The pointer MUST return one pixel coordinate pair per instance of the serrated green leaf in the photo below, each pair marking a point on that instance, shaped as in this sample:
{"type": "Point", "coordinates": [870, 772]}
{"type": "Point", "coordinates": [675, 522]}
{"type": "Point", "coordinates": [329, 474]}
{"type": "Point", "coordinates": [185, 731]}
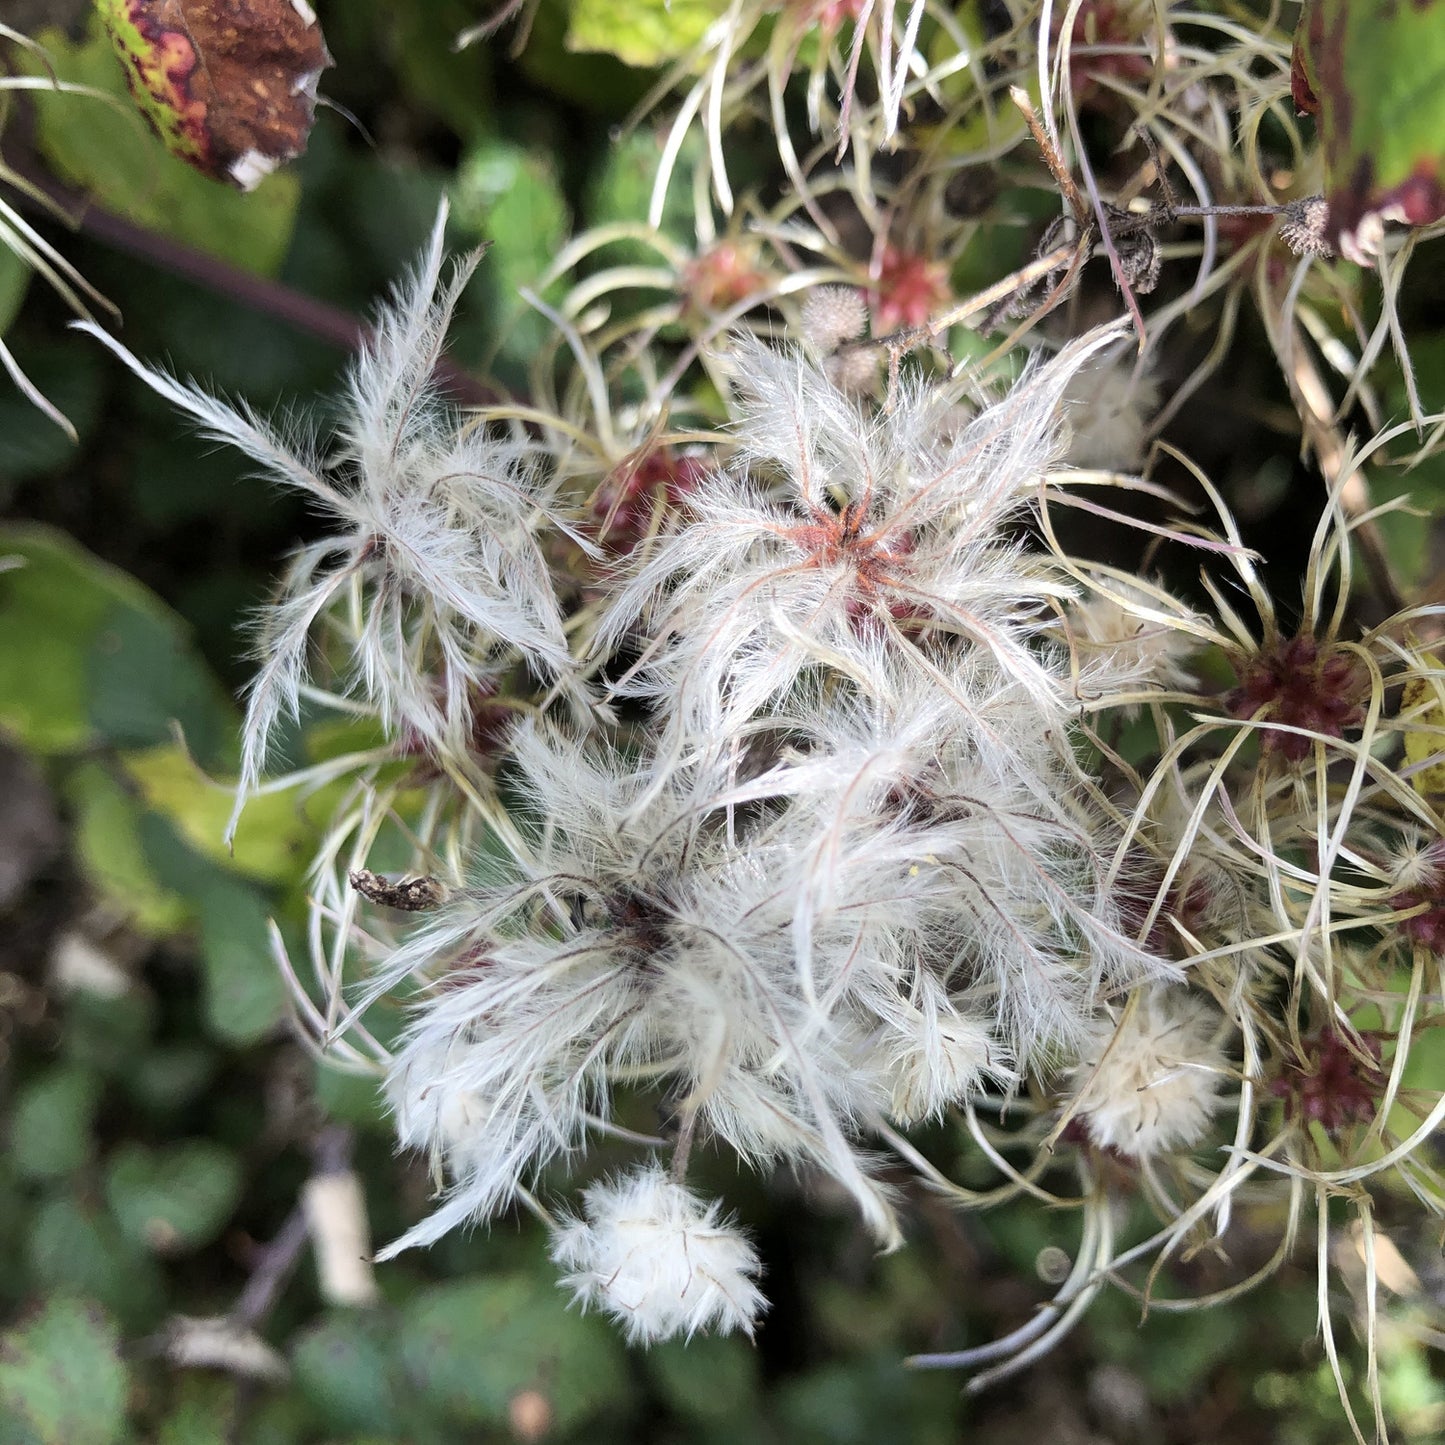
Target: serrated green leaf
{"type": "Point", "coordinates": [1374, 73]}
{"type": "Point", "coordinates": [50, 1132]}
{"type": "Point", "coordinates": [61, 1379]}
{"type": "Point", "coordinates": [108, 151]}
{"type": "Point", "coordinates": [643, 33]}
{"type": "Point", "coordinates": [174, 1198]}
{"type": "Point", "coordinates": [471, 1347]}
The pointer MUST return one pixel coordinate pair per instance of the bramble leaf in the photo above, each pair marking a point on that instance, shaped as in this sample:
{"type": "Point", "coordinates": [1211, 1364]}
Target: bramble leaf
{"type": "Point", "coordinates": [61, 1379]}
{"type": "Point", "coordinates": [230, 90]}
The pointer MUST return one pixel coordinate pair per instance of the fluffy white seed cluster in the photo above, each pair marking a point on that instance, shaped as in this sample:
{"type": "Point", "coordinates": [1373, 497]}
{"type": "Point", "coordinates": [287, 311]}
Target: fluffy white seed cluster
{"type": "Point", "coordinates": [839, 872]}
{"type": "Point", "coordinates": [846, 874]}
{"type": "Point", "coordinates": [435, 547]}
{"type": "Point", "coordinates": [1151, 1084]}
{"type": "Point", "coordinates": [659, 1260]}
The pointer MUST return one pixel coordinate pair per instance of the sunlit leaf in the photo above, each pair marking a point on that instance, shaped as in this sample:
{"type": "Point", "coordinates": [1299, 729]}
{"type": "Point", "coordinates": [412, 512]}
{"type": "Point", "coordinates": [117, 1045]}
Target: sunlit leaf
{"type": "Point", "coordinates": [643, 34]}
{"type": "Point", "coordinates": [273, 846]}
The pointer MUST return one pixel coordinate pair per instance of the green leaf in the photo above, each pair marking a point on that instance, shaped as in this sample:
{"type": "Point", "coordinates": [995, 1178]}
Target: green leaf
{"type": "Point", "coordinates": [106, 1031]}
{"type": "Point", "coordinates": [164, 1081]}
{"type": "Point", "coordinates": [643, 33]}
{"type": "Point", "coordinates": [86, 652]}
{"type": "Point", "coordinates": [1374, 73]}
{"type": "Point", "coordinates": [108, 842]}
{"type": "Point", "coordinates": [72, 379]}
{"type": "Point", "coordinates": [245, 996]}
{"type": "Point", "coordinates": [49, 607]}
{"type": "Point", "coordinates": [351, 1098]}
{"type": "Point", "coordinates": [50, 1132]}
{"type": "Point", "coordinates": [512, 198]}
{"type": "Point", "coordinates": [471, 1347]}
{"type": "Point", "coordinates": [204, 1410]}
{"type": "Point", "coordinates": [61, 1379]}
{"type": "Point", "coordinates": [75, 1249]}
{"type": "Point", "coordinates": [105, 148]}
{"type": "Point", "coordinates": [346, 1366]}
{"type": "Point", "coordinates": [245, 993]}
{"type": "Point", "coordinates": [455, 85]}
{"type": "Point", "coordinates": [621, 191]}
{"type": "Point", "coordinates": [275, 841]}
{"type": "Point", "coordinates": [174, 1198]}
{"type": "Point", "coordinates": [711, 1379]}
{"type": "Point", "coordinates": [142, 676]}
{"type": "Point", "coordinates": [861, 1401]}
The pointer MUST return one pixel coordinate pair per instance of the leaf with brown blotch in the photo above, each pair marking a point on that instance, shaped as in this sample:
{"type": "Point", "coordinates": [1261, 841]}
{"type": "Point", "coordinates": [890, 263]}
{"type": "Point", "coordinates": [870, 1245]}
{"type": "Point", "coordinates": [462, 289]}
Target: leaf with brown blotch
{"type": "Point", "coordinates": [228, 85]}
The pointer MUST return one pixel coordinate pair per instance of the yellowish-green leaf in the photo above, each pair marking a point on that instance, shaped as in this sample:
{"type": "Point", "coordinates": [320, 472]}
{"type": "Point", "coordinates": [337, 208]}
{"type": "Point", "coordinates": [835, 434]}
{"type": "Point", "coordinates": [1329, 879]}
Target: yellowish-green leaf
{"type": "Point", "coordinates": [89, 654]}
{"type": "Point", "coordinates": [109, 845]}
{"type": "Point", "coordinates": [1423, 700]}
{"type": "Point", "coordinates": [274, 844]}
{"type": "Point", "coordinates": [641, 32]}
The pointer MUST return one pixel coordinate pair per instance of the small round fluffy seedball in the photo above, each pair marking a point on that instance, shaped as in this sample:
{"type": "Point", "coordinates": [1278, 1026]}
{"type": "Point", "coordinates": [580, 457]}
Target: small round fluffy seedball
{"type": "Point", "coordinates": [1151, 1084]}
{"type": "Point", "coordinates": [832, 315]}
{"type": "Point", "coordinates": [658, 1259]}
